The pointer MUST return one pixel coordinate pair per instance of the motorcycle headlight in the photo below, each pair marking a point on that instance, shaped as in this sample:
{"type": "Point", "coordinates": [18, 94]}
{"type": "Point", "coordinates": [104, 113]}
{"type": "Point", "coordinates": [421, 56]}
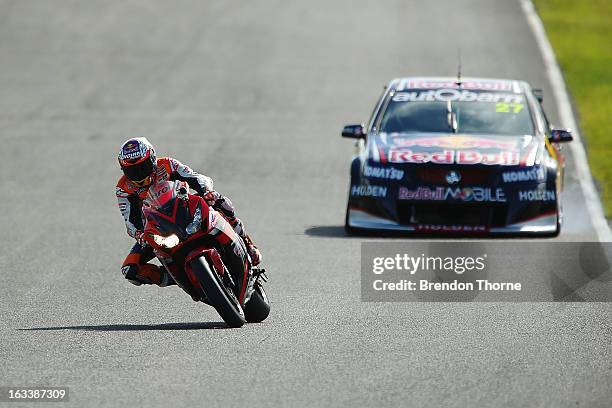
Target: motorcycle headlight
{"type": "Point", "coordinates": [195, 225]}
{"type": "Point", "coordinates": [167, 242]}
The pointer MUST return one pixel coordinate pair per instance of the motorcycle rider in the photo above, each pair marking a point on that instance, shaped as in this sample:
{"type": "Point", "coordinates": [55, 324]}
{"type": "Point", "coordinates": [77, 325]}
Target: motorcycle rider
{"type": "Point", "coordinates": [141, 169]}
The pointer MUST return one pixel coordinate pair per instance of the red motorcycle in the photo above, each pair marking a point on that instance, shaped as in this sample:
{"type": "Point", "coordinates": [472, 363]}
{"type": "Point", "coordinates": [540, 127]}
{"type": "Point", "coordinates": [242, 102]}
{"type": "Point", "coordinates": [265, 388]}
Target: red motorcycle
{"type": "Point", "coordinates": [181, 227]}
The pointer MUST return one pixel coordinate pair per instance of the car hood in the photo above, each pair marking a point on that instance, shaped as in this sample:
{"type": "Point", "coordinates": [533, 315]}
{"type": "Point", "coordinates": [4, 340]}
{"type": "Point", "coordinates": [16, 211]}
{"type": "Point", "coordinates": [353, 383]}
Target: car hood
{"type": "Point", "coordinates": [457, 149]}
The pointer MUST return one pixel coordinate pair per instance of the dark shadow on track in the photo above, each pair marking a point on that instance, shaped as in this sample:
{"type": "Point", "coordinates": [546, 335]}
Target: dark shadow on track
{"type": "Point", "coordinates": [137, 327]}
{"type": "Point", "coordinates": [333, 231]}
{"type": "Point", "coordinates": [338, 231]}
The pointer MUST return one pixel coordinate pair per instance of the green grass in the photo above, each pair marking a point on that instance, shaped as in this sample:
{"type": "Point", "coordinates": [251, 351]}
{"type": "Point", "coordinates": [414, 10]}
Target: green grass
{"type": "Point", "coordinates": [581, 34]}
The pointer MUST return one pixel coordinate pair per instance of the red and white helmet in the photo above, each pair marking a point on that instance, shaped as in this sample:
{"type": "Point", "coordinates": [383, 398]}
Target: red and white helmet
{"type": "Point", "coordinates": [138, 161]}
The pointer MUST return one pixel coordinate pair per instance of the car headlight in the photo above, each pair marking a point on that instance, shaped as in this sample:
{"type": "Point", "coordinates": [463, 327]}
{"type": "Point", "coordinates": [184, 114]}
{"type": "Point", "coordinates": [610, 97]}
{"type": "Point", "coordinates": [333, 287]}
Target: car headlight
{"type": "Point", "coordinates": [195, 225]}
{"type": "Point", "coordinates": [166, 242]}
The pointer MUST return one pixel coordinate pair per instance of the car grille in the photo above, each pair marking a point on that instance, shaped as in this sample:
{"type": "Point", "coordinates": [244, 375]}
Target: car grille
{"type": "Point", "coordinates": [469, 176]}
{"type": "Point", "coordinates": [473, 214]}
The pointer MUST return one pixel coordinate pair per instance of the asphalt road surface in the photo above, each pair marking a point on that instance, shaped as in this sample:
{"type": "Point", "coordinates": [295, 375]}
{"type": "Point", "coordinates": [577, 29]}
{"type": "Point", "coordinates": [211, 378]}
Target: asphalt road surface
{"type": "Point", "coordinates": [253, 94]}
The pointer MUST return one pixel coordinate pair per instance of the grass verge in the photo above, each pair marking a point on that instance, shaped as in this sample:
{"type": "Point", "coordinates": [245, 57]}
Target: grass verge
{"type": "Point", "coordinates": [581, 34]}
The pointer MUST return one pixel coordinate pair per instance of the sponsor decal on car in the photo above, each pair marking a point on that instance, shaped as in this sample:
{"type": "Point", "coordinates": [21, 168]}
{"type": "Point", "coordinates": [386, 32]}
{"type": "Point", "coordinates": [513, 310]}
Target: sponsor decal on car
{"type": "Point", "coordinates": [537, 173]}
{"type": "Point", "coordinates": [455, 142]}
{"type": "Point", "coordinates": [435, 84]}
{"type": "Point", "coordinates": [453, 177]}
{"type": "Point", "coordinates": [453, 193]}
{"type": "Point", "coordinates": [537, 195]}
{"type": "Point", "coordinates": [454, 95]}
{"type": "Point", "coordinates": [505, 158]}
{"type": "Point", "coordinates": [450, 228]}
{"type": "Point", "coordinates": [389, 173]}
{"type": "Point", "coordinates": [369, 191]}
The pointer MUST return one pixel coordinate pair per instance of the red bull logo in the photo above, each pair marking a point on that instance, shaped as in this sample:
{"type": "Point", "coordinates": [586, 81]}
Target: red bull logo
{"type": "Point", "coordinates": [505, 158]}
{"type": "Point", "coordinates": [455, 142]}
{"type": "Point", "coordinates": [478, 194]}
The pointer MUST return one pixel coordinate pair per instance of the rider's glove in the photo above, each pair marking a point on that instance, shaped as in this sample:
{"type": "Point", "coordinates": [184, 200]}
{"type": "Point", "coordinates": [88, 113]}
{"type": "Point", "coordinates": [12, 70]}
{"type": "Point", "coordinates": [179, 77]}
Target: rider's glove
{"type": "Point", "coordinates": [139, 236]}
{"type": "Point", "coordinates": [211, 197]}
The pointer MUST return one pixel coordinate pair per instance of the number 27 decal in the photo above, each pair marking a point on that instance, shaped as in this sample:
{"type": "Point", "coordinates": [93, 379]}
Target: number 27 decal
{"type": "Point", "coordinates": [503, 107]}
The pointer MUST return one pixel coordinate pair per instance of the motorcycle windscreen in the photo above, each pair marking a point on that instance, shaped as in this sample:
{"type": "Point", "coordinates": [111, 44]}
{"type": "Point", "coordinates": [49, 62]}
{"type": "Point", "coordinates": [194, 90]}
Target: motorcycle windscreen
{"type": "Point", "coordinates": [163, 207]}
{"type": "Point", "coordinates": [161, 196]}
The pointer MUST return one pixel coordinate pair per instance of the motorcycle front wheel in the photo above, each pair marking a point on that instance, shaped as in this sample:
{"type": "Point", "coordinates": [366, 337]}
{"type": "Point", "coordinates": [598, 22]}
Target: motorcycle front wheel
{"type": "Point", "coordinates": [219, 296]}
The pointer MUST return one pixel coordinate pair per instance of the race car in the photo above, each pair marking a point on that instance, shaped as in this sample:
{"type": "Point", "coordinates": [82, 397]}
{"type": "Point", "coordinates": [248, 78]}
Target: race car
{"type": "Point", "coordinates": [457, 156]}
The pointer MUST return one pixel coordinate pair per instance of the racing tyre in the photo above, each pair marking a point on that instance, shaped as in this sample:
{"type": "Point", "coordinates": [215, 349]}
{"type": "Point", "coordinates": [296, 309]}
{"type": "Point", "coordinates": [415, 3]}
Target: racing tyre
{"type": "Point", "coordinates": [558, 230]}
{"type": "Point", "coordinates": [258, 307]}
{"type": "Point", "coordinates": [218, 295]}
{"type": "Point", "coordinates": [559, 215]}
{"type": "Point", "coordinates": [347, 228]}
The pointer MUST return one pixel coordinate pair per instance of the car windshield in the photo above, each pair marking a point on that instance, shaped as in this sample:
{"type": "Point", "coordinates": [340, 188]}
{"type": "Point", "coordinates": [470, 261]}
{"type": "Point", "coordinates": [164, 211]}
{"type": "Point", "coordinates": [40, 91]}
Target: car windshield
{"type": "Point", "coordinates": [457, 111]}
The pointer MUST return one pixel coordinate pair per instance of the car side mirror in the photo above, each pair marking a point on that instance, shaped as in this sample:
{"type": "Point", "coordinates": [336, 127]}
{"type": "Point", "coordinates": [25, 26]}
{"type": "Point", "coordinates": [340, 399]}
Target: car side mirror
{"type": "Point", "coordinates": [560, 136]}
{"type": "Point", "coordinates": [354, 131]}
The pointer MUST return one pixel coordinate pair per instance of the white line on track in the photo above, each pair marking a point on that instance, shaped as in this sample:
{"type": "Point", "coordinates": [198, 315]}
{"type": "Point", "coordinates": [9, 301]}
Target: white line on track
{"type": "Point", "coordinates": [567, 118]}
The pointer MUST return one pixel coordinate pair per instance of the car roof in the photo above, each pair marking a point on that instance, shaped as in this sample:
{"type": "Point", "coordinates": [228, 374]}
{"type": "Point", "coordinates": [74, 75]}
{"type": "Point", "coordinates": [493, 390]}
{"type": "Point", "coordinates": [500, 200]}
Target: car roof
{"type": "Point", "coordinates": [483, 84]}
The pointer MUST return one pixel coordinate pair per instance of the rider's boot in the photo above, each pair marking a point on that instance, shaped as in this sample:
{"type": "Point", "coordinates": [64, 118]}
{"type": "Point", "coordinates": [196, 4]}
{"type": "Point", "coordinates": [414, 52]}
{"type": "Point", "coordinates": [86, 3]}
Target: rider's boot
{"type": "Point", "coordinates": [148, 274]}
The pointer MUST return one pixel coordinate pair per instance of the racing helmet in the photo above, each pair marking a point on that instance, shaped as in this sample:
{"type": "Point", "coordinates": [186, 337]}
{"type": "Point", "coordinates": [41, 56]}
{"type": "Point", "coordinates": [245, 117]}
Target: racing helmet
{"type": "Point", "coordinates": [138, 161]}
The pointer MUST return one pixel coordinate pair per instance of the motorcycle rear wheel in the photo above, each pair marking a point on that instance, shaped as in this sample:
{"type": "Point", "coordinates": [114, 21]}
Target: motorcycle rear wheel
{"type": "Point", "coordinates": [218, 295]}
